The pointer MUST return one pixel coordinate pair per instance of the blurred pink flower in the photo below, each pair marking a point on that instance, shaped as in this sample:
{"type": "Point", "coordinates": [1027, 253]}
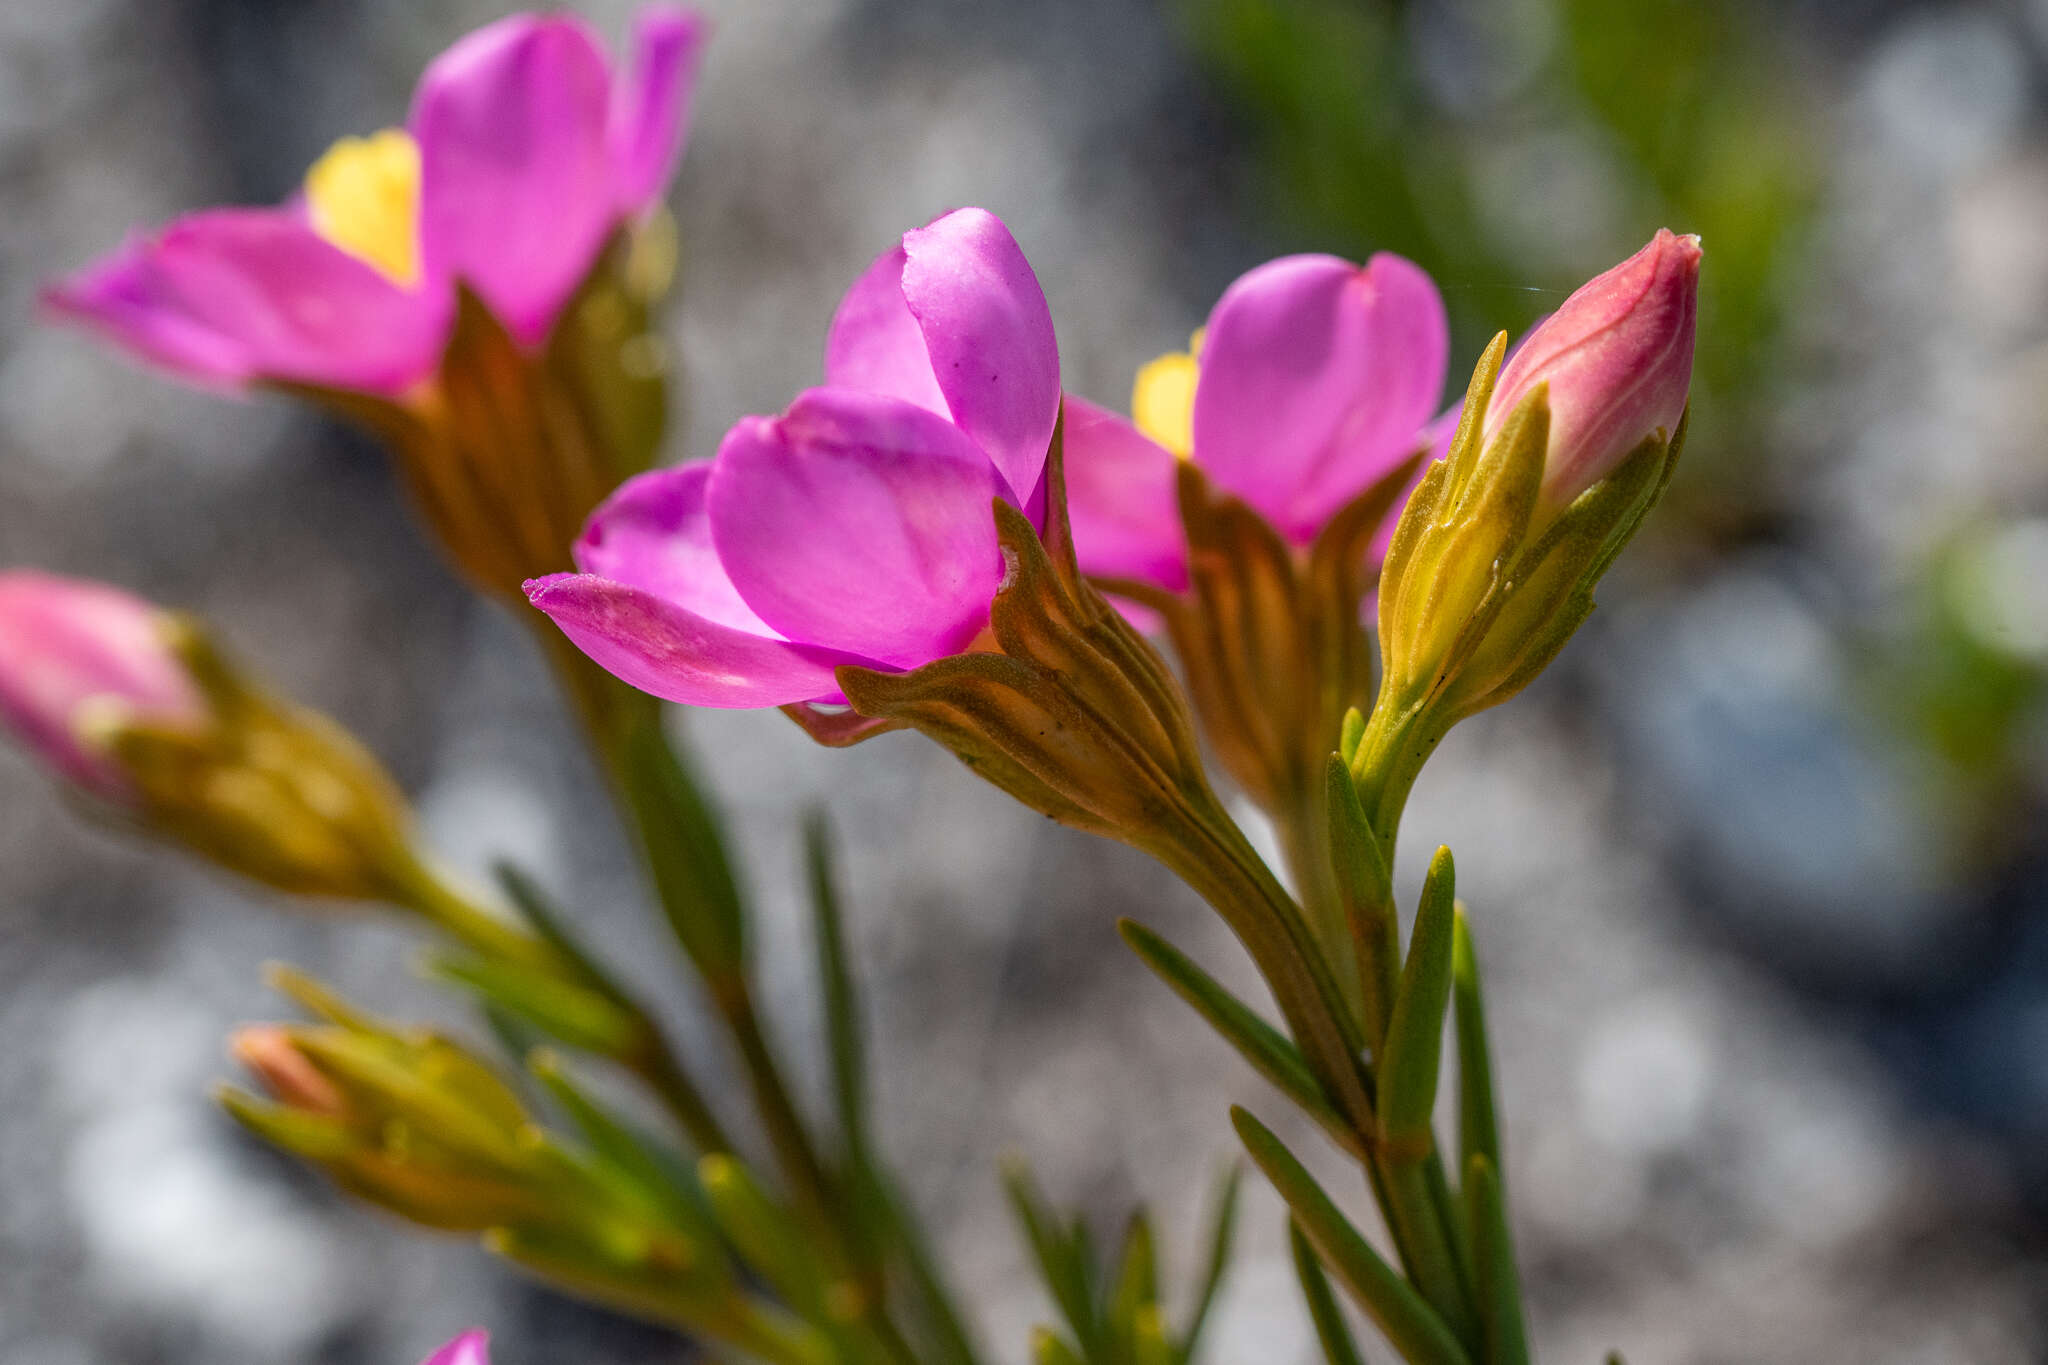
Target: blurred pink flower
{"type": "Point", "coordinates": [1313, 379]}
{"type": "Point", "coordinates": [1617, 356]}
{"type": "Point", "coordinates": [856, 527]}
{"type": "Point", "coordinates": [67, 644]}
{"type": "Point", "coordinates": [471, 1348]}
{"type": "Point", "coordinates": [524, 151]}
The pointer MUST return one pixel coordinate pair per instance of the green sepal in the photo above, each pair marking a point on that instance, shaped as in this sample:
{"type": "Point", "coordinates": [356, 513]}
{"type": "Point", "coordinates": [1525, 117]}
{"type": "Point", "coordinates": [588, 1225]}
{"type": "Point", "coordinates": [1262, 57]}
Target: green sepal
{"type": "Point", "coordinates": [315, 1137]}
{"type": "Point", "coordinates": [1349, 735]}
{"type": "Point", "coordinates": [1546, 590]}
{"type": "Point", "coordinates": [1332, 1331]}
{"type": "Point", "coordinates": [1408, 1069]}
{"type": "Point", "coordinates": [1268, 1050]}
{"type": "Point", "coordinates": [1222, 1233]}
{"type": "Point", "coordinates": [1413, 1327]}
{"type": "Point", "coordinates": [1497, 1285]}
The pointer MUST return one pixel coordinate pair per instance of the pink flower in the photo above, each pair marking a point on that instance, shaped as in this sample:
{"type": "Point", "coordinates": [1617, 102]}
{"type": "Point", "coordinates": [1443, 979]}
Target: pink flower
{"type": "Point", "coordinates": [524, 151]}
{"type": "Point", "coordinates": [1313, 379]}
{"type": "Point", "coordinates": [856, 527]}
{"type": "Point", "coordinates": [1617, 356]}
{"type": "Point", "coordinates": [471, 1348]}
{"type": "Point", "coordinates": [67, 644]}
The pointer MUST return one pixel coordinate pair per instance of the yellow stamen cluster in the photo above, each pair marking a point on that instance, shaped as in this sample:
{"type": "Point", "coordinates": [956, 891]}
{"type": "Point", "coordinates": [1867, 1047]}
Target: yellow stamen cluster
{"type": "Point", "coordinates": [363, 195]}
{"type": "Point", "coordinates": [1163, 398]}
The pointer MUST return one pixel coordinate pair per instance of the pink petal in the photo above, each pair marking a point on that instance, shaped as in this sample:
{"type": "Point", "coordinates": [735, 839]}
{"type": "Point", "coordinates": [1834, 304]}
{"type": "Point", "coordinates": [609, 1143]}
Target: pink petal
{"type": "Point", "coordinates": [954, 320]}
{"type": "Point", "coordinates": [516, 172]}
{"type": "Point", "coordinates": [1316, 378]}
{"type": "Point", "coordinates": [654, 534]}
{"type": "Point", "coordinates": [650, 115]}
{"type": "Point", "coordinates": [1122, 500]}
{"type": "Point", "coordinates": [471, 1348]}
{"type": "Point", "coordinates": [875, 343]}
{"type": "Point", "coordinates": [64, 642]}
{"type": "Point", "coordinates": [989, 333]}
{"type": "Point", "coordinates": [859, 522]}
{"type": "Point", "coordinates": [1617, 356]}
{"type": "Point", "coordinates": [229, 296]}
{"type": "Point", "coordinates": [664, 648]}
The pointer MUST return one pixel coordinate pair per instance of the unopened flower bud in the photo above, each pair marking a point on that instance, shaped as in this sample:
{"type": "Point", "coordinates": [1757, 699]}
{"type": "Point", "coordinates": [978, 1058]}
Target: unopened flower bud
{"type": "Point", "coordinates": [70, 648]}
{"type": "Point", "coordinates": [1617, 358]}
{"type": "Point", "coordinates": [265, 788]}
{"type": "Point", "coordinates": [266, 1050]}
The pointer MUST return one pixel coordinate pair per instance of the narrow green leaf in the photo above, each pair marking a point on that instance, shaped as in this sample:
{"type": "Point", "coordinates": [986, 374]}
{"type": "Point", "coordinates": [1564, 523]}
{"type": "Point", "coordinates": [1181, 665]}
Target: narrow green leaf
{"type": "Point", "coordinates": [1135, 1288]}
{"type": "Point", "coordinates": [1367, 894]}
{"type": "Point", "coordinates": [1499, 1288]}
{"type": "Point", "coordinates": [951, 1341]}
{"type": "Point", "coordinates": [1258, 1042]}
{"type": "Point", "coordinates": [1069, 1275]}
{"type": "Point", "coordinates": [1048, 1349]}
{"type": "Point", "coordinates": [842, 1003]}
{"type": "Point", "coordinates": [1150, 1344]}
{"type": "Point", "coordinates": [657, 1173]}
{"type": "Point", "coordinates": [1222, 1233]}
{"type": "Point", "coordinates": [574, 1014]}
{"type": "Point", "coordinates": [685, 848]}
{"type": "Point", "coordinates": [547, 920]}
{"type": "Point", "coordinates": [1415, 1033]}
{"type": "Point", "coordinates": [1478, 1126]}
{"type": "Point", "coordinates": [765, 1235]}
{"type": "Point", "coordinates": [1331, 1329]}
{"type": "Point", "coordinates": [1409, 1323]}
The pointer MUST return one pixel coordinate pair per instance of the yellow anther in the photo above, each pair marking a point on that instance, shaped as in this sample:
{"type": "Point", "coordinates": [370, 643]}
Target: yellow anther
{"type": "Point", "coordinates": [1163, 398]}
{"type": "Point", "coordinates": [363, 195]}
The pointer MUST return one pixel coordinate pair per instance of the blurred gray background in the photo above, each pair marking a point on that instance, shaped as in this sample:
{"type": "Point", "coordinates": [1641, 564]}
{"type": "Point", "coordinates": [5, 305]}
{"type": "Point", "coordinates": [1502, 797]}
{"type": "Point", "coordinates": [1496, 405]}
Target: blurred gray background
{"type": "Point", "coordinates": [1756, 870]}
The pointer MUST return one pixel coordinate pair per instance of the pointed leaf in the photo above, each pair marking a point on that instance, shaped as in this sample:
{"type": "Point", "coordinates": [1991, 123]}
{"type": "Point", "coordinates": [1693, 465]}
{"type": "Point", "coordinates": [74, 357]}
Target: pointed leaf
{"type": "Point", "coordinates": [1409, 1323]}
{"type": "Point", "coordinates": [1259, 1043]}
{"type": "Point", "coordinates": [1414, 1051]}
{"type": "Point", "coordinates": [1069, 1276]}
{"type": "Point", "coordinates": [1498, 1286]}
{"type": "Point", "coordinates": [1048, 1349]}
{"type": "Point", "coordinates": [842, 1003]}
{"type": "Point", "coordinates": [582, 1018]}
{"type": "Point", "coordinates": [1478, 1128]}
{"type": "Point", "coordinates": [1331, 1329]}
{"type": "Point", "coordinates": [1222, 1232]}
{"type": "Point", "coordinates": [1366, 892]}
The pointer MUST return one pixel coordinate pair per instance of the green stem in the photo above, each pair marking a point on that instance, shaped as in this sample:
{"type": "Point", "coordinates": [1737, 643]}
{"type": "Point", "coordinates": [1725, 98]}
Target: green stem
{"type": "Point", "coordinates": [419, 888]}
{"type": "Point", "coordinates": [787, 1133]}
{"type": "Point", "coordinates": [1303, 826]}
{"type": "Point", "coordinates": [663, 1074]}
{"type": "Point", "coordinates": [678, 836]}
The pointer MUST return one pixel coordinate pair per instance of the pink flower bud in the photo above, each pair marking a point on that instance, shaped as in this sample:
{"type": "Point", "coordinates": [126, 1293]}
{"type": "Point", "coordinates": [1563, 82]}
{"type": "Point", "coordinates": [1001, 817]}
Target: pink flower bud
{"type": "Point", "coordinates": [1618, 359]}
{"type": "Point", "coordinates": [66, 644]}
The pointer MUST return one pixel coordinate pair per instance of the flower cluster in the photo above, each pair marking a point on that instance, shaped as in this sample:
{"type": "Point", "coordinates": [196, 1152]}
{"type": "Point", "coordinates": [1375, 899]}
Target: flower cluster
{"type": "Point", "coordinates": [523, 153]}
{"type": "Point", "coordinates": [937, 538]}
